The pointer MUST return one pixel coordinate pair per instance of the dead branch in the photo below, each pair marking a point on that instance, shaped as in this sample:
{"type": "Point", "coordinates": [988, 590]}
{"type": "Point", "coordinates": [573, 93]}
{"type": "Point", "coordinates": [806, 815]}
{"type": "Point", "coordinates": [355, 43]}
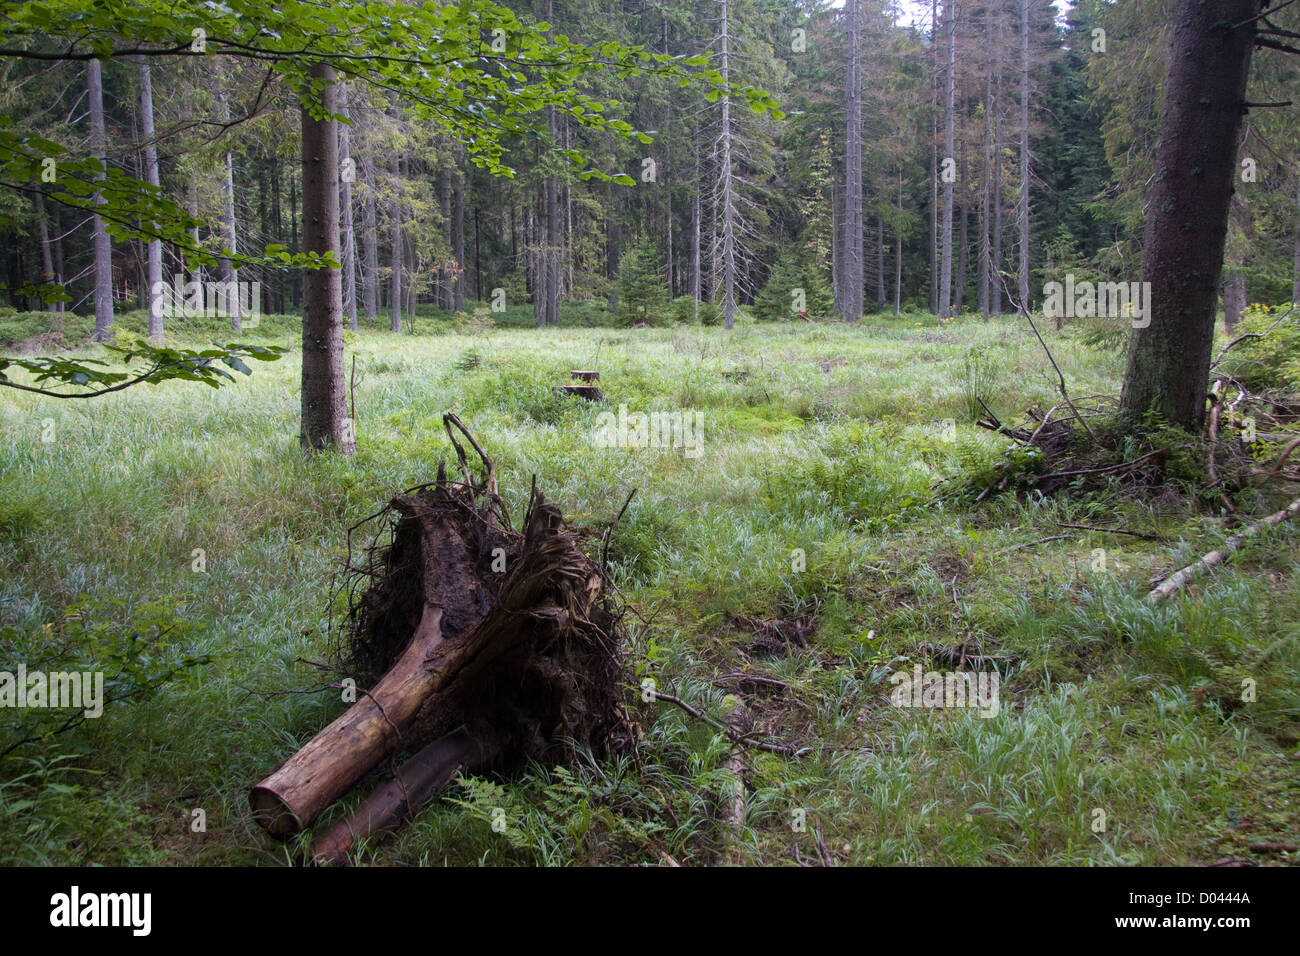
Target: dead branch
{"type": "Point", "coordinates": [1175, 581]}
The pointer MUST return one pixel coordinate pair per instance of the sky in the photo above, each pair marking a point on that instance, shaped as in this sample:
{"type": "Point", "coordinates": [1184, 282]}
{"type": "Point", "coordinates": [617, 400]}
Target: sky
{"type": "Point", "coordinates": [918, 11]}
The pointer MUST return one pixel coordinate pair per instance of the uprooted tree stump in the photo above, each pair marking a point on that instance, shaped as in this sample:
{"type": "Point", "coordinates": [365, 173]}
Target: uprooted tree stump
{"type": "Point", "coordinates": [482, 646]}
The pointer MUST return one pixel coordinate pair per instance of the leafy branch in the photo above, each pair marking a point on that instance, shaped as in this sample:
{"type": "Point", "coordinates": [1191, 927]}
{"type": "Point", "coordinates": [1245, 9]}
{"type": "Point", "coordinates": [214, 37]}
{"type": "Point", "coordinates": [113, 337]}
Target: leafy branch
{"type": "Point", "coordinates": [161, 365]}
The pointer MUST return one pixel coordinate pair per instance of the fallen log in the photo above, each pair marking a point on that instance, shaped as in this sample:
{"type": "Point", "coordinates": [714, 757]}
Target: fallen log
{"type": "Point", "coordinates": [414, 784]}
{"type": "Point", "coordinates": [369, 731]}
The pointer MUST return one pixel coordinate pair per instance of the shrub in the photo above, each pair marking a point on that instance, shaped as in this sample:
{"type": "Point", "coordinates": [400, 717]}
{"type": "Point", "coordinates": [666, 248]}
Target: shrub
{"type": "Point", "coordinates": [642, 296]}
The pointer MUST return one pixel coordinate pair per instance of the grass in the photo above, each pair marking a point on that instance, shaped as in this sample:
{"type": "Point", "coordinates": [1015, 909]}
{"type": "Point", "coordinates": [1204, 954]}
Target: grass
{"type": "Point", "coordinates": [814, 498]}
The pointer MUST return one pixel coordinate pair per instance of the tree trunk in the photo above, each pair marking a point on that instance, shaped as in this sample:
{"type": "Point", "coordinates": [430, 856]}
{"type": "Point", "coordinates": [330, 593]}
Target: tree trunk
{"type": "Point", "coordinates": [458, 242]}
{"type": "Point", "coordinates": [47, 257]}
{"type": "Point", "coordinates": [295, 286]}
{"type": "Point", "coordinates": [995, 288]}
{"type": "Point", "coordinates": [103, 247]}
{"type": "Point", "coordinates": [695, 244]}
{"type": "Point", "coordinates": [324, 420]}
{"type": "Point", "coordinates": [395, 300]}
{"type": "Point", "coordinates": [898, 250]}
{"type": "Point", "coordinates": [368, 731]}
{"type": "Point", "coordinates": [1022, 208]}
{"type": "Point", "coordinates": [934, 157]}
{"type": "Point", "coordinates": [986, 219]}
{"type": "Point", "coordinates": [414, 783]}
{"type": "Point", "coordinates": [345, 202]}
{"type": "Point", "coordinates": [58, 251]}
{"type": "Point", "coordinates": [727, 250]}
{"type": "Point", "coordinates": [950, 83]}
{"type": "Point", "coordinates": [228, 277]}
{"type": "Point", "coordinates": [1234, 299]}
{"type": "Point", "coordinates": [369, 246]}
{"type": "Point", "coordinates": [1295, 281]}
{"type": "Point", "coordinates": [1187, 211]}
{"type": "Point", "coordinates": [153, 276]}
{"type": "Point", "coordinates": [852, 259]}
{"type": "Point", "coordinates": [277, 232]}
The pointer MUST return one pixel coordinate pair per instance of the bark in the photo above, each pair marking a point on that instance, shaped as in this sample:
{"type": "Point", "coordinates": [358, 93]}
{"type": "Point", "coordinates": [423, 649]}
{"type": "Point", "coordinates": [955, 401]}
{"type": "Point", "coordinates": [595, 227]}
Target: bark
{"type": "Point", "coordinates": [1295, 282]}
{"type": "Point", "coordinates": [898, 250]}
{"type": "Point", "coordinates": [153, 268]}
{"type": "Point", "coordinates": [1234, 299]}
{"type": "Point", "coordinates": [414, 784]}
{"type": "Point", "coordinates": [934, 157]}
{"type": "Point", "coordinates": [367, 732]}
{"type": "Point", "coordinates": [945, 261]}
{"type": "Point", "coordinates": [197, 274]}
{"type": "Point", "coordinates": [277, 232]}
{"type": "Point", "coordinates": [228, 277]}
{"type": "Point", "coordinates": [345, 201]}
{"type": "Point", "coordinates": [369, 247]}
{"type": "Point", "coordinates": [1174, 582]}
{"type": "Point", "coordinates": [458, 242]}
{"type": "Point", "coordinates": [852, 258]}
{"type": "Point", "coordinates": [727, 250]}
{"type": "Point", "coordinates": [695, 243]}
{"type": "Point", "coordinates": [47, 257]}
{"type": "Point", "coordinates": [1022, 208]}
{"type": "Point", "coordinates": [986, 252]}
{"type": "Point", "coordinates": [444, 296]}
{"type": "Point", "coordinates": [995, 285]}
{"type": "Point", "coordinates": [103, 249]}
{"type": "Point", "coordinates": [58, 251]}
{"type": "Point", "coordinates": [1187, 219]}
{"type": "Point", "coordinates": [880, 264]}
{"type": "Point", "coordinates": [324, 420]}
{"type": "Point", "coordinates": [395, 215]}
{"type": "Point", "coordinates": [294, 282]}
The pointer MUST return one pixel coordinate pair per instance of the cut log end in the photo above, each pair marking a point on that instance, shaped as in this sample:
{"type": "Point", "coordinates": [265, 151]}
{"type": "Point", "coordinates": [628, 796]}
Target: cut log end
{"type": "Point", "coordinates": [273, 814]}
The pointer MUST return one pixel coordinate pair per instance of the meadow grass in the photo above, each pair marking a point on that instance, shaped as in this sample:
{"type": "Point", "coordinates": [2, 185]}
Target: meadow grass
{"type": "Point", "coordinates": [189, 516]}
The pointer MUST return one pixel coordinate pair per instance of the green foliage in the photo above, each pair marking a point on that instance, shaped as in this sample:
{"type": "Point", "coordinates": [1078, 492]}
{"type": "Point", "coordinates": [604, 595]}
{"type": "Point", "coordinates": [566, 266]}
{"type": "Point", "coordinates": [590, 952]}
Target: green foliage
{"type": "Point", "coordinates": [136, 660]}
{"type": "Point", "coordinates": [160, 364]}
{"type": "Point", "coordinates": [479, 323]}
{"type": "Point", "coordinates": [468, 360]}
{"type": "Point", "coordinates": [438, 59]}
{"type": "Point", "coordinates": [1271, 358]}
{"type": "Point", "coordinates": [711, 313]}
{"type": "Point", "coordinates": [683, 311]}
{"type": "Point", "coordinates": [793, 275]}
{"type": "Point", "coordinates": [642, 291]}
{"type": "Point", "coordinates": [979, 374]}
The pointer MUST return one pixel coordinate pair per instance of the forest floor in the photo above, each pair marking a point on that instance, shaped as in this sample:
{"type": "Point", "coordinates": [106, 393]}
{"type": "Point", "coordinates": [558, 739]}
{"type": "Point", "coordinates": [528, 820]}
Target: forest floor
{"type": "Point", "coordinates": [809, 543]}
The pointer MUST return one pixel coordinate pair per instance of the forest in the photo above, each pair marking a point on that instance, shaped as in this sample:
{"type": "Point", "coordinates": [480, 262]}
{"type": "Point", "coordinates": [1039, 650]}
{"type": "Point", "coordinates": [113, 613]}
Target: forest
{"type": "Point", "coordinates": [653, 432]}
